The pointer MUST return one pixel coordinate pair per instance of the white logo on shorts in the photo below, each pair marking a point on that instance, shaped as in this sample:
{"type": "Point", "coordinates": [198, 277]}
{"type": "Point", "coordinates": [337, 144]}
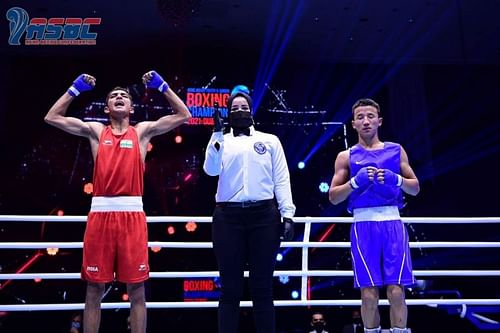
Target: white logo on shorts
{"type": "Point", "coordinates": [142, 268]}
{"type": "Point", "coordinates": [93, 269]}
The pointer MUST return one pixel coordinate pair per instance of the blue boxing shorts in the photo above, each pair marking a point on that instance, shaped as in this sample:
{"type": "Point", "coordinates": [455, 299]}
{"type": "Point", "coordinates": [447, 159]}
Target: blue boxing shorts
{"type": "Point", "coordinates": [379, 248]}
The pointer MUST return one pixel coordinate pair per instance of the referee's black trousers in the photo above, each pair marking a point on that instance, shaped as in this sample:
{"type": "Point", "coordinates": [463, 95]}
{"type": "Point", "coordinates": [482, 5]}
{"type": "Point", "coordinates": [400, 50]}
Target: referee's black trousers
{"type": "Point", "coordinates": [249, 235]}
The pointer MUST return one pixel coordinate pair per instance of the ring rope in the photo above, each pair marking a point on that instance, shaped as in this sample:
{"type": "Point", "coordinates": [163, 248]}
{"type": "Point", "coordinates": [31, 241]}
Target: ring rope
{"type": "Point", "coordinates": [208, 245]}
{"type": "Point", "coordinates": [304, 273]}
{"type": "Point", "coordinates": [213, 304]}
{"type": "Point", "coordinates": [208, 219]}
{"type": "Point", "coordinates": [291, 273]}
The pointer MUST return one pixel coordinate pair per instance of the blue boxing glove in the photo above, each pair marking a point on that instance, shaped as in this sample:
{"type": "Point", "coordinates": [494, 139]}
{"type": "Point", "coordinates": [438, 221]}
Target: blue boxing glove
{"type": "Point", "coordinates": [153, 80]}
{"type": "Point", "coordinates": [387, 177]}
{"type": "Point", "coordinates": [287, 231]}
{"type": "Point", "coordinates": [82, 83]}
{"type": "Point", "coordinates": [240, 88]}
{"type": "Point", "coordinates": [363, 177]}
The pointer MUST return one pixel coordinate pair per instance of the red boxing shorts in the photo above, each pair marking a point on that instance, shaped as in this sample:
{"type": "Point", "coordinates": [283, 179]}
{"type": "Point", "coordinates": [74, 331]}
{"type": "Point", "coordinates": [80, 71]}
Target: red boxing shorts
{"type": "Point", "coordinates": [115, 245]}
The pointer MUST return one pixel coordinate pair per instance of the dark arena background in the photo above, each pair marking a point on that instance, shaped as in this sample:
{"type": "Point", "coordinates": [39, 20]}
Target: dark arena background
{"type": "Point", "coordinates": [432, 65]}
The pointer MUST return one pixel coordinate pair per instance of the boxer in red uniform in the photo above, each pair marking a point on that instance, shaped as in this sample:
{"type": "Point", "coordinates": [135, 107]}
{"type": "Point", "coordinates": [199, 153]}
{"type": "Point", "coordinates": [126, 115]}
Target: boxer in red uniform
{"type": "Point", "coordinates": [115, 241]}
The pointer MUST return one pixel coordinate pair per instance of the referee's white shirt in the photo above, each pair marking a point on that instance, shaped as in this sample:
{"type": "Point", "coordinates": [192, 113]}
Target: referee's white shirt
{"type": "Point", "coordinates": [250, 168]}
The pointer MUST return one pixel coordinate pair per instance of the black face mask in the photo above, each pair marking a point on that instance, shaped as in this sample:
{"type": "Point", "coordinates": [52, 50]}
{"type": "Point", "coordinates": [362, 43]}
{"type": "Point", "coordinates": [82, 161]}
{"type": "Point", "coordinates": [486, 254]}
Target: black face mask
{"type": "Point", "coordinates": [240, 119]}
{"type": "Point", "coordinates": [319, 327]}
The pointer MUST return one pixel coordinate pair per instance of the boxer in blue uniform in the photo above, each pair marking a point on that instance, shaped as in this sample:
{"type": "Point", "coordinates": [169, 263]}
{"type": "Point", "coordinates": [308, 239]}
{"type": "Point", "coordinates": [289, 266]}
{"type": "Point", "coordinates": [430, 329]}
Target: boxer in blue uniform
{"type": "Point", "coordinates": [372, 175]}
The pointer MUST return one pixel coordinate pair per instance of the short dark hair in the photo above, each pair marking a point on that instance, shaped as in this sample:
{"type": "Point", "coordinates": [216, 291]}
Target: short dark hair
{"type": "Point", "coordinates": [118, 88]}
{"type": "Point", "coordinates": [366, 102]}
{"type": "Point", "coordinates": [318, 313]}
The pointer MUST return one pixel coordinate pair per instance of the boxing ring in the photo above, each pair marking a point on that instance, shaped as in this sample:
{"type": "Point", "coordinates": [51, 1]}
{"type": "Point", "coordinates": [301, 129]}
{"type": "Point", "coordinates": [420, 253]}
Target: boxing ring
{"type": "Point", "coordinates": [303, 273]}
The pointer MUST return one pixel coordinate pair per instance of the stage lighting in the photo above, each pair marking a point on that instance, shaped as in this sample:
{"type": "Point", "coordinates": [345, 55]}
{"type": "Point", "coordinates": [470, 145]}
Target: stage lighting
{"type": "Point", "coordinates": [37, 280]}
{"type": "Point", "coordinates": [150, 147]}
{"type": "Point", "coordinates": [170, 230]}
{"type": "Point", "coordinates": [88, 188]}
{"type": "Point", "coordinates": [284, 279]}
{"type": "Point", "coordinates": [295, 294]}
{"type": "Point", "coordinates": [191, 226]}
{"type": "Point", "coordinates": [178, 139]}
{"type": "Point", "coordinates": [323, 187]}
{"type": "Point", "coordinates": [125, 297]}
{"type": "Point", "coordinates": [52, 251]}
{"type": "Point", "coordinates": [156, 249]}
{"type": "Point", "coordinates": [301, 165]}
{"type": "Point", "coordinates": [60, 212]}
{"type": "Point", "coordinates": [279, 257]}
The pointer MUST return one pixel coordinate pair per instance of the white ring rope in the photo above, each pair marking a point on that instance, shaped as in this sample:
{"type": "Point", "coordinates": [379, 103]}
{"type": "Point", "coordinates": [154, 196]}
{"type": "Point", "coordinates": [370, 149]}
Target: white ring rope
{"type": "Point", "coordinates": [304, 273]}
{"type": "Point", "coordinates": [213, 304]}
{"type": "Point", "coordinates": [208, 245]}
{"type": "Point", "coordinates": [290, 273]}
{"type": "Point", "coordinates": [208, 219]}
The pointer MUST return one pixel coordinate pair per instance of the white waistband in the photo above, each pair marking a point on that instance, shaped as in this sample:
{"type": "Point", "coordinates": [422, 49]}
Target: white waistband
{"type": "Point", "coordinates": [382, 213]}
{"type": "Point", "coordinates": [116, 204]}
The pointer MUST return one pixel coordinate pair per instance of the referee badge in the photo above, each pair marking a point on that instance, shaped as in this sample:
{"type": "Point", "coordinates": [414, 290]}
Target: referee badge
{"type": "Point", "coordinates": [260, 148]}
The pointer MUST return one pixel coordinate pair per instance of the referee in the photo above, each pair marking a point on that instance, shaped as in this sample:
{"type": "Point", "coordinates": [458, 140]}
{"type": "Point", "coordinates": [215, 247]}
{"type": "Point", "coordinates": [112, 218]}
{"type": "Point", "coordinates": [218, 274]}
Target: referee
{"type": "Point", "coordinates": [247, 224]}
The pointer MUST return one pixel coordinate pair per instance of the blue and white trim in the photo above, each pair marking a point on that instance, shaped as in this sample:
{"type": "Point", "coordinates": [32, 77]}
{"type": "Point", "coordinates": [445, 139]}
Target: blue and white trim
{"type": "Point", "coordinates": [73, 91]}
{"type": "Point", "coordinates": [400, 181]}
{"type": "Point", "coordinates": [377, 214]}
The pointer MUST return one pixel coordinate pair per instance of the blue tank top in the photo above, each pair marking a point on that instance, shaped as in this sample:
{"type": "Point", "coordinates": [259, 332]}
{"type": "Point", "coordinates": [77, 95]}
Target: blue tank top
{"type": "Point", "coordinates": [375, 194]}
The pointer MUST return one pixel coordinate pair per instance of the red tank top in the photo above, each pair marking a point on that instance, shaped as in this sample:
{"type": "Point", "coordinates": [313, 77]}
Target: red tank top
{"type": "Point", "coordinates": [118, 169]}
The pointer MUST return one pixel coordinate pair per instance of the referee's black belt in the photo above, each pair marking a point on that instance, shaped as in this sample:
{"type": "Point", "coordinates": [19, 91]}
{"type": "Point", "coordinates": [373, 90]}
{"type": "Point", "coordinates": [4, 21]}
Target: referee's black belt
{"type": "Point", "coordinates": [245, 204]}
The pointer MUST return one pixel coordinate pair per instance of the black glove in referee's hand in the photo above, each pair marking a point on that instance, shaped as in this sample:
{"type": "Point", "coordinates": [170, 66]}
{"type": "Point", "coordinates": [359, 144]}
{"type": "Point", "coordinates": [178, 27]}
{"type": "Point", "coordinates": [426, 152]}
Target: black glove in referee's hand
{"type": "Point", "coordinates": [287, 229]}
{"type": "Point", "coordinates": [218, 123]}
